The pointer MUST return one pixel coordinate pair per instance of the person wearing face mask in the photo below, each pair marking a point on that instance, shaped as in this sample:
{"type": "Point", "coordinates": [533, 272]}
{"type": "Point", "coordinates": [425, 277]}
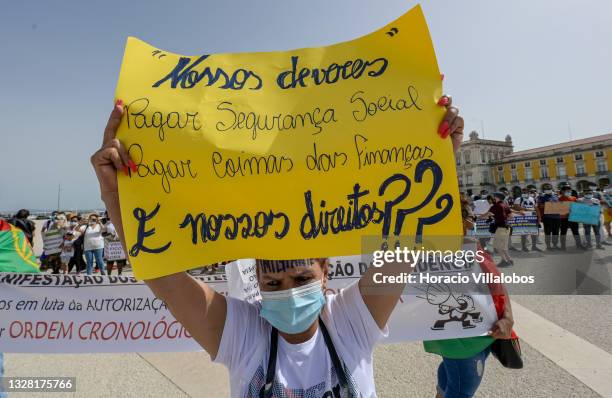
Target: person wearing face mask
{"type": "Point", "coordinates": [589, 199]}
{"type": "Point", "coordinates": [76, 261]}
{"type": "Point", "coordinates": [93, 244]}
{"type": "Point", "coordinates": [110, 238]}
{"type": "Point", "coordinates": [550, 221]}
{"type": "Point", "coordinates": [501, 213]}
{"type": "Point", "coordinates": [300, 342]}
{"type": "Point", "coordinates": [527, 205]}
{"type": "Point", "coordinates": [564, 222]}
{"type": "Point", "coordinates": [506, 194]}
{"type": "Point", "coordinates": [52, 243]}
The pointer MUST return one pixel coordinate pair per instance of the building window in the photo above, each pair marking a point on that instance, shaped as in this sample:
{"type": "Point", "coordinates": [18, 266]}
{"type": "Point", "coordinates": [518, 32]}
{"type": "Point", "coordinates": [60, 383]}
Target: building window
{"type": "Point", "coordinates": [528, 174]}
{"type": "Point", "coordinates": [489, 156]}
{"type": "Point", "coordinates": [501, 178]}
{"type": "Point", "coordinates": [458, 160]}
{"type": "Point", "coordinates": [578, 156]}
{"type": "Point", "coordinates": [560, 159]}
{"type": "Point", "coordinates": [466, 157]}
{"type": "Point", "coordinates": [500, 168]}
{"type": "Point", "coordinates": [460, 179]}
{"type": "Point", "coordinates": [543, 162]}
{"type": "Point", "coordinates": [495, 155]}
{"type": "Point", "coordinates": [514, 175]}
{"type": "Point", "coordinates": [561, 170]}
{"type": "Point", "coordinates": [485, 177]}
{"type": "Point", "coordinates": [602, 165]}
{"type": "Point", "coordinates": [468, 179]}
{"type": "Point", "coordinates": [513, 166]}
{"type": "Point", "coordinates": [580, 169]}
{"type": "Point", "coordinates": [544, 173]}
{"type": "Point", "coordinates": [599, 154]}
{"type": "Point", "coordinates": [482, 156]}
{"type": "Point", "coordinates": [527, 164]}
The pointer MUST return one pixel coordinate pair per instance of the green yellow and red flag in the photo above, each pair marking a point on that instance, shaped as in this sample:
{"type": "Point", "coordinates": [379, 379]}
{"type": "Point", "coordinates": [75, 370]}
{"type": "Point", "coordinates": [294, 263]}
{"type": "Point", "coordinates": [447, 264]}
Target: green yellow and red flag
{"type": "Point", "coordinates": [16, 254]}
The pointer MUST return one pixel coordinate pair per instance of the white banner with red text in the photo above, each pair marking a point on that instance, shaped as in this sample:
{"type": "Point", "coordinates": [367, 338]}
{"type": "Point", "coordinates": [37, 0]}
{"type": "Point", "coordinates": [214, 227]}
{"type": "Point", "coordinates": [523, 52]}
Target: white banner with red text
{"type": "Point", "coordinates": [44, 313]}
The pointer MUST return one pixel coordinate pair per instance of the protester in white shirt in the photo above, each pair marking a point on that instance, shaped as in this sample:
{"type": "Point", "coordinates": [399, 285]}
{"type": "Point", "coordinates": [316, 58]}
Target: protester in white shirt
{"type": "Point", "coordinates": [323, 343]}
{"type": "Point", "coordinates": [527, 205]}
{"type": "Point", "coordinates": [93, 244]}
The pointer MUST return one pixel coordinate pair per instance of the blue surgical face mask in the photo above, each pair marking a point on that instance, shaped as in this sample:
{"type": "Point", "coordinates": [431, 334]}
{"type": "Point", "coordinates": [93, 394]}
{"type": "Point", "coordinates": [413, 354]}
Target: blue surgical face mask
{"type": "Point", "coordinates": [293, 311]}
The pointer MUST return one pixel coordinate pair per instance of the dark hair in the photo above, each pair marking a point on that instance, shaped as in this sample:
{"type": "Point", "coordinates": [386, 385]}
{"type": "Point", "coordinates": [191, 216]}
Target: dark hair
{"type": "Point", "coordinates": [23, 213]}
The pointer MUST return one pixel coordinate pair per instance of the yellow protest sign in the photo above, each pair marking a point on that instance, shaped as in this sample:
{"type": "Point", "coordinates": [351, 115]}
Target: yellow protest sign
{"type": "Point", "coordinates": [283, 155]}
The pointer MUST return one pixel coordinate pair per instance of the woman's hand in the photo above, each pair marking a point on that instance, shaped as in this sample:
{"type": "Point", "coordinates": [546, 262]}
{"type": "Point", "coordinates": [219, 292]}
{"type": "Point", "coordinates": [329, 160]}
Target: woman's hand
{"type": "Point", "coordinates": [452, 124]}
{"type": "Point", "coordinates": [502, 328]}
{"type": "Point", "coordinates": [112, 156]}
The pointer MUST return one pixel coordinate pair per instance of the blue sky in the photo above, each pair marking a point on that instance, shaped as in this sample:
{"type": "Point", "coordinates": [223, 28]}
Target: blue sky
{"type": "Point", "coordinates": [524, 68]}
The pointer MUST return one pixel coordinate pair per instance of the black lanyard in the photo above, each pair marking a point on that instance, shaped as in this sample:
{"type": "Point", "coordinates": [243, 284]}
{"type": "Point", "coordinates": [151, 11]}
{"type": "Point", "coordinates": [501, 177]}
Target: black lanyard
{"type": "Point", "coordinates": [266, 390]}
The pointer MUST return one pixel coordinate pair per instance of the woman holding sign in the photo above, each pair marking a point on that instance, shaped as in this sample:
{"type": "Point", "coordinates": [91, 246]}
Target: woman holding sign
{"type": "Point", "coordinates": [300, 342]}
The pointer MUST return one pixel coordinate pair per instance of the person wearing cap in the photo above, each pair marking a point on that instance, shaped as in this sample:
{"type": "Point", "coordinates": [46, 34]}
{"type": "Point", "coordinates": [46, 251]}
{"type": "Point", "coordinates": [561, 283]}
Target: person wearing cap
{"type": "Point", "coordinates": [550, 221]}
{"type": "Point", "coordinates": [588, 199]}
{"type": "Point", "coordinates": [527, 205]}
{"type": "Point", "coordinates": [564, 222]}
{"type": "Point", "coordinates": [501, 213]}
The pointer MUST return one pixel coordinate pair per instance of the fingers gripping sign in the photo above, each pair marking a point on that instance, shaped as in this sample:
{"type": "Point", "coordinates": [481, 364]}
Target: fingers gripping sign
{"type": "Point", "coordinates": [112, 156]}
{"type": "Point", "coordinates": [452, 124]}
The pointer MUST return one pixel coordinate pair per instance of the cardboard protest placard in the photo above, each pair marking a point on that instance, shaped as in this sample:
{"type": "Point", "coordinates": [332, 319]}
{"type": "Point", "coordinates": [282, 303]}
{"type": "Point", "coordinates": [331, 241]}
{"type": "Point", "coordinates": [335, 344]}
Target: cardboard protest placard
{"type": "Point", "coordinates": [283, 155]}
{"type": "Point", "coordinates": [560, 208]}
{"type": "Point", "coordinates": [113, 251]}
{"type": "Point", "coordinates": [584, 213]}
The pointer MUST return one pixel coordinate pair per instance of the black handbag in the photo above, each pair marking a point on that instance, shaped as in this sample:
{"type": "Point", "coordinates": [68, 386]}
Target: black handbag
{"type": "Point", "coordinates": [508, 352]}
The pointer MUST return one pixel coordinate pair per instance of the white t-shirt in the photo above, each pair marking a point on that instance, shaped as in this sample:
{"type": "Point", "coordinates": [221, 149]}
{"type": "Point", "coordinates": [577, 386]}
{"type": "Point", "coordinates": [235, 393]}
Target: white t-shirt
{"type": "Point", "coordinates": [302, 370]}
{"type": "Point", "coordinates": [93, 237]}
{"type": "Point", "coordinates": [526, 203]}
{"type": "Point", "coordinates": [111, 231]}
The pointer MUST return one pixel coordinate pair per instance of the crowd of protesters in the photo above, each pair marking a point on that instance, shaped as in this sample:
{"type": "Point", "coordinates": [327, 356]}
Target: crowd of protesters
{"type": "Point", "coordinates": [73, 242]}
{"type": "Point", "coordinates": [499, 207]}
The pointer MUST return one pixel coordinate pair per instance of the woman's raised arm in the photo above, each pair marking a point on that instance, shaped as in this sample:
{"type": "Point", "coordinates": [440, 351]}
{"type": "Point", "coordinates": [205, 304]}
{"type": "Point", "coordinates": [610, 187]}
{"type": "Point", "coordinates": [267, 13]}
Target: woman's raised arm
{"type": "Point", "coordinates": [195, 305]}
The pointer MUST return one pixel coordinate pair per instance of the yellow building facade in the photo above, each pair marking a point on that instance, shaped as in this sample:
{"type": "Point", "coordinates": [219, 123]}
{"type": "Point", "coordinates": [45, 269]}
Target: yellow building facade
{"type": "Point", "coordinates": [581, 163]}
